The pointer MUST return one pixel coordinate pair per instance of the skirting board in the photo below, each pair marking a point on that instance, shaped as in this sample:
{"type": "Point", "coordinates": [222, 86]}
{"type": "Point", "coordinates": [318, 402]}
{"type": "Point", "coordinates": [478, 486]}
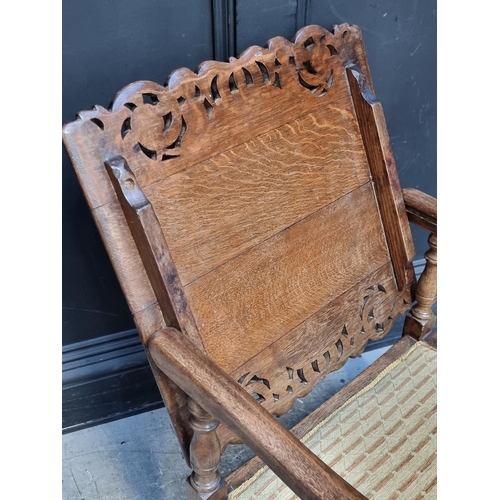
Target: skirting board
{"type": "Point", "coordinates": [109, 377]}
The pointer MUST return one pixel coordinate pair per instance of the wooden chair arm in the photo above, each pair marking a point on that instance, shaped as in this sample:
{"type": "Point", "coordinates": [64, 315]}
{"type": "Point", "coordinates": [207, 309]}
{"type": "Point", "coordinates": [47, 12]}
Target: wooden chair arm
{"type": "Point", "coordinates": [421, 209]}
{"type": "Point", "coordinates": [228, 402]}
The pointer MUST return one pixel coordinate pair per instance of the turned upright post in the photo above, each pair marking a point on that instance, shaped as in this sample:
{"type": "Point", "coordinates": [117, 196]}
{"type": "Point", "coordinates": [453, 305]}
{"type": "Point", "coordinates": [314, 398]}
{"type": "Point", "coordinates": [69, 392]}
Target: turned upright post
{"type": "Point", "coordinates": [422, 211]}
{"type": "Point", "coordinates": [204, 453]}
{"type": "Point", "coordinates": [421, 319]}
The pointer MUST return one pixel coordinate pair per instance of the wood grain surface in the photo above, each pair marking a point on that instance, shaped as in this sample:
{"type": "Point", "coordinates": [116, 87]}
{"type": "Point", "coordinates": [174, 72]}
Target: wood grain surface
{"type": "Point", "coordinates": [274, 185]}
{"type": "Point", "coordinates": [421, 209]}
{"type": "Point", "coordinates": [152, 248]}
{"type": "Point", "coordinates": [290, 367]}
{"type": "Point", "coordinates": [378, 148]}
{"type": "Point", "coordinates": [245, 472]}
{"type": "Point", "coordinates": [251, 301]}
{"type": "Point", "coordinates": [161, 130]}
{"type": "Point", "coordinates": [219, 208]}
{"type": "Point", "coordinates": [223, 398]}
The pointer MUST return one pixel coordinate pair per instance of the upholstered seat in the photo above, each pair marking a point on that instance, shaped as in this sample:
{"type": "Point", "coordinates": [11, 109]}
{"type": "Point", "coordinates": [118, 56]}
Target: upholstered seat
{"type": "Point", "coordinates": [382, 440]}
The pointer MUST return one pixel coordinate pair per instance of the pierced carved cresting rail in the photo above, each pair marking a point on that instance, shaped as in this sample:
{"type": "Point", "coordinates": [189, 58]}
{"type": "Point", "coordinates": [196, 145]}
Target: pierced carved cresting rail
{"type": "Point", "coordinates": [154, 126]}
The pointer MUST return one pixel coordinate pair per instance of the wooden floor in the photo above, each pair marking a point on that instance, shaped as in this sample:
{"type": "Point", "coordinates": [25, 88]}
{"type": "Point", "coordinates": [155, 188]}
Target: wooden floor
{"type": "Point", "coordinates": [138, 458]}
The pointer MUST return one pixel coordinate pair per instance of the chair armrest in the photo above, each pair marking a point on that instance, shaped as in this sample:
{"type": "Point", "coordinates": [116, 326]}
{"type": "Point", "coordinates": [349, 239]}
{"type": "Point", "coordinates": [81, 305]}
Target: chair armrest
{"type": "Point", "coordinates": [228, 402]}
{"type": "Point", "coordinates": [421, 209]}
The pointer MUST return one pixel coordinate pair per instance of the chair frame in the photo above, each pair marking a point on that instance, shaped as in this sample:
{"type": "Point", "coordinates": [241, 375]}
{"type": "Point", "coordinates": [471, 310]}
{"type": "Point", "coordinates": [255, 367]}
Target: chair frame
{"type": "Point", "coordinates": [197, 392]}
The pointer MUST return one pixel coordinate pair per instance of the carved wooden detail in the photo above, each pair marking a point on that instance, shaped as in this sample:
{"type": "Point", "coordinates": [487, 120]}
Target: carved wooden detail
{"type": "Point", "coordinates": [149, 122]}
{"type": "Point", "coordinates": [152, 132]}
{"type": "Point", "coordinates": [422, 211]}
{"type": "Point", "coordinates": [204, 455]}
{"type": "Point", "coordinates": [426, 293]}
{"type": "Point", "coordinates": [371, 320]}
{"type": "Point", "coordinates": [152, 247]}
{"type": "Point", "coordinates": [421, 319]}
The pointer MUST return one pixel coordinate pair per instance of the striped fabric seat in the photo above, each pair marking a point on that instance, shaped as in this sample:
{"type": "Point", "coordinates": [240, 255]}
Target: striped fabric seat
{"type": "Point", "coordinates": [382, 440]}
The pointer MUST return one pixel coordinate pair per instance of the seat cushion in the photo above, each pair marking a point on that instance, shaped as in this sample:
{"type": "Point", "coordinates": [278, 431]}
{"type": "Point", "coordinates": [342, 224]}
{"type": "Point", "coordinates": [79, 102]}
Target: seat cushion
{"type": "Point", "coordinates": [382, 440]}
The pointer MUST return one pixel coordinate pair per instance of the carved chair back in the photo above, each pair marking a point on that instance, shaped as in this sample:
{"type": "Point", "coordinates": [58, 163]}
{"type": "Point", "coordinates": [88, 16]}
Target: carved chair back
{"type": "Point", "coordinates": [254, 205]}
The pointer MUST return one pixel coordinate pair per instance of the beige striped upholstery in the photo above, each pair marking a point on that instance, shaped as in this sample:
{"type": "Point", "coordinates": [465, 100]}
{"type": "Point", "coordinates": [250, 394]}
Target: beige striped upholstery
{"type": "Point", "coordinates": [382, 441]}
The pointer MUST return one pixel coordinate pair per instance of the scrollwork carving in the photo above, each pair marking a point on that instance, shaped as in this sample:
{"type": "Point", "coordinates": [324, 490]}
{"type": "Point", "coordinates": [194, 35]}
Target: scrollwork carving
{"type": "Point", "coordinates": [312, 56]}
{"type": "Point", "coordinates": [151, 120]}
{"type": "Point", "coordinates": [373, 318]}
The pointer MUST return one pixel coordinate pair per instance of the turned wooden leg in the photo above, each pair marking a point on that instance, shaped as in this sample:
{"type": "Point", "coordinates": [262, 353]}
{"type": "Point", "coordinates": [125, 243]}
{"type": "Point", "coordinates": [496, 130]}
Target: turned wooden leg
{"type": "Point", "coordinates": [204, 452]}
{"type": "Point", "coordinates": [421, 319]}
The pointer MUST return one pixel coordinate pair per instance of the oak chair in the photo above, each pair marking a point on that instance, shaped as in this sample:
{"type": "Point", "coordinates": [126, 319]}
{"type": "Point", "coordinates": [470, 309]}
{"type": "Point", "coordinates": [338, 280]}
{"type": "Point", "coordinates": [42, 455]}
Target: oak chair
{"type": "Point", "coordinates": [253, 214]}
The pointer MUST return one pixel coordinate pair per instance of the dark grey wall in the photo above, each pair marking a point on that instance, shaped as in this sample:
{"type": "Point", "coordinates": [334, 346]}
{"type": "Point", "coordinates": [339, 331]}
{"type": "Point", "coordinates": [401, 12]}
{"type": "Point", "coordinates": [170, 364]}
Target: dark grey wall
{"type": "Point", "coordinates": [107, 44]}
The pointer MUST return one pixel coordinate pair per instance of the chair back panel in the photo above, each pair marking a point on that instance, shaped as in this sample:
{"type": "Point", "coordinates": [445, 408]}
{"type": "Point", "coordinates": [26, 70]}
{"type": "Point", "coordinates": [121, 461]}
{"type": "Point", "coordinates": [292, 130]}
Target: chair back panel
{"type": "Point", "coordinates": [276, 213]}
{"type": "Point", "coordinates": [223, 206]}
{"type": "Point", "coordinates": [290, 367]}
{"type": "Point", "coordinates": [254, 299]}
